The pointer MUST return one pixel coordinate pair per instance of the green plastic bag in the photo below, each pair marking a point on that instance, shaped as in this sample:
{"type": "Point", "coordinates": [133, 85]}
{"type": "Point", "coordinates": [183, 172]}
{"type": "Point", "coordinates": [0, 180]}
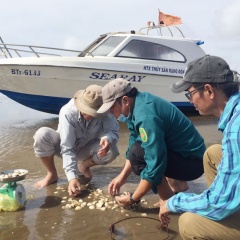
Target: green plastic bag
{"type": "Point", "coordinates": [8, 204]}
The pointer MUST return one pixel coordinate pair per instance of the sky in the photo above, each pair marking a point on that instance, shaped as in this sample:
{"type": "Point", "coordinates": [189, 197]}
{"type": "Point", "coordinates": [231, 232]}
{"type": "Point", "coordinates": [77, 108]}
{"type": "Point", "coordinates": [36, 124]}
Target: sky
{"type": "Point", "coordinates": [75, 24]}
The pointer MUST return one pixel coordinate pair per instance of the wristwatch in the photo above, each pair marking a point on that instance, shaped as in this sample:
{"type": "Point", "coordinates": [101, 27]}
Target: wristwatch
{"type": "Point", "coordinates": [133, 202]}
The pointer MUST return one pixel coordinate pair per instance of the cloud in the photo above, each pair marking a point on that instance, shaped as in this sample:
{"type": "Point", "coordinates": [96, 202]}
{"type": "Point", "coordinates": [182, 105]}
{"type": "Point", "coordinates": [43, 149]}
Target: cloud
{"type": "Point", "coordinates": [76, 23]}
{"type": "Point", "coordinates": [228, 20]}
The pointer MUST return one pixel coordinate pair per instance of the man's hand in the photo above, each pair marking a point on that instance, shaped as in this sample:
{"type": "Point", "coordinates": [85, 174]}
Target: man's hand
{"type": "Point", "coordinates": [117, 182]}
{"type": "Point", "coordinates": [164, 213]}
{"type": "Point", "coordinates": [123, 200]}
{"type": "Point", "coordinates": [105, 146]}
{"type": "Point", "coordinates": [74, 187]}
{"type": "Point", "coordinates": [115, 185]}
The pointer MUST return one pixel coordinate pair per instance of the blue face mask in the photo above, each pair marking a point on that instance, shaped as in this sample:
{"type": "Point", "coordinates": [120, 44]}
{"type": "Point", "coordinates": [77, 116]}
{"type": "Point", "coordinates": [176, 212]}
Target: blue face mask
{"type": "Point", "coordinates": [122, 118]}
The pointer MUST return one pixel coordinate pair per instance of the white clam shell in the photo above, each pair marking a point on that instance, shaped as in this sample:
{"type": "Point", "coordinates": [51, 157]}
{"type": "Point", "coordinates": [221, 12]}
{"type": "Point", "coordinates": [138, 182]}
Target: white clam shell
{"type": "Point", "coordinates": [99, 205]}
{"type": "Point", "coordinates": [68, 206]}
{"type": "Point", "coordinates": [83, 204]}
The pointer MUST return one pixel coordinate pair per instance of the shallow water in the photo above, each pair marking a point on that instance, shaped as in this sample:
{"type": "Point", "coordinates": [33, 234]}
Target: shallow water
{"type": "Point", "coordinates": [43, 216]}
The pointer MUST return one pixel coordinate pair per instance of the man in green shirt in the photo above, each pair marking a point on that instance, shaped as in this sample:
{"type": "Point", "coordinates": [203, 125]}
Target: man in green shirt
{"type": "Point", "coordinates": [165, 149]}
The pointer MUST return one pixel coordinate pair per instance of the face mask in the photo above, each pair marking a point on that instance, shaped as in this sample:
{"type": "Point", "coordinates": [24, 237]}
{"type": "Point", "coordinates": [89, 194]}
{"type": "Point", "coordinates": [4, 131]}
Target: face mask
{"type": "Point", "coordinates": [122, 118]}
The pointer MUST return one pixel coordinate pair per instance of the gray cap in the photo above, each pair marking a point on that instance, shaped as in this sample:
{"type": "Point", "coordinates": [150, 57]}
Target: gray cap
{"type": "Point", "coordinates": [113, 90]}
{"type": "Point", "coordinates": [207, 69]}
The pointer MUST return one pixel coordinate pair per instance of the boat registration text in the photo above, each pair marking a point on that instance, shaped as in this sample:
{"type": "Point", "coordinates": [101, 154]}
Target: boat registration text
{"type": "Point", "coordinates": [26, 72]}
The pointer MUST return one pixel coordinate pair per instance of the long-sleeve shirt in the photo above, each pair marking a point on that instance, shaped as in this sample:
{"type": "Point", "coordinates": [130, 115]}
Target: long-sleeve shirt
{"type": "Point", "coordinates": [163, 127]}
{"type": "Point", "coordinates": [223, 196]}
{"type": "Point", "coordinates": [75, 134]}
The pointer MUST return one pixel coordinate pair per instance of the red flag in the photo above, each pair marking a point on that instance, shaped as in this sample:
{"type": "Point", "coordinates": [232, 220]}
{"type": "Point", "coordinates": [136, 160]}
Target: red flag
{"type": "Point", "coordinates": [169, 19]}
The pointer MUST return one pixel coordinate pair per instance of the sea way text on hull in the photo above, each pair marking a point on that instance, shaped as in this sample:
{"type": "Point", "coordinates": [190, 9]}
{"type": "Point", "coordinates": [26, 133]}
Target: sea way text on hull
{"type": "Point", "coordinates": [108, 76]}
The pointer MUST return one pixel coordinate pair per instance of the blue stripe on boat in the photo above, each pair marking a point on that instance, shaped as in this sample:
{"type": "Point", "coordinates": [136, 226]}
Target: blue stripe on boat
{"type": "Point", "coordinates": [53, 104]}
{"type": "Point", "coordinates": [41, 103]}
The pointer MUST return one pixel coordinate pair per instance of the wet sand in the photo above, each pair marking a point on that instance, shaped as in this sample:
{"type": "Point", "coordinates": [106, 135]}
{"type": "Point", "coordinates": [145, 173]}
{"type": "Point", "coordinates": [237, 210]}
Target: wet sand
{"type": "Point", "coordinates": [43, 216]}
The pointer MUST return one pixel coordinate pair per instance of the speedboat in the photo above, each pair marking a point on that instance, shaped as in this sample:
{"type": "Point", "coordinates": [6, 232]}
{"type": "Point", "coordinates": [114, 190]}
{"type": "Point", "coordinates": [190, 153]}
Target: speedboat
{"type": "Point", "coordinates": [47, 80]}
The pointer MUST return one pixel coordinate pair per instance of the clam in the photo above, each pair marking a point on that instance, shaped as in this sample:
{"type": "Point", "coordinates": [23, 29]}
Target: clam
{"type": "Point", "coordinates": [99, 205]}
{"type": "Point", "coordinates": [83, 204]}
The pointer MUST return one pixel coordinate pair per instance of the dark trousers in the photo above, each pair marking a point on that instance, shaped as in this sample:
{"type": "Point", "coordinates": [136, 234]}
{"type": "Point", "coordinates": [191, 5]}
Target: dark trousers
{"type": "Point", "coordinates": [178, 167]}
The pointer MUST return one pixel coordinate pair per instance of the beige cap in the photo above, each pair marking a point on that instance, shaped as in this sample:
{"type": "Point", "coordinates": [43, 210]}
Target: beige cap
{"type": "Point", "coordinates": [113, 90]}
{"type": "Point", "coordinates": [88, 101]}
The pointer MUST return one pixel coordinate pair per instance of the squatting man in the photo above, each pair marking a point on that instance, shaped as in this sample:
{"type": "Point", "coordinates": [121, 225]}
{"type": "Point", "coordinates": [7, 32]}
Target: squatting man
{"type": "Point", "coordinates": [213, 88]}
{"type": "Point", "coordinates": [164, 148]}
{"type": "Point", "coordinates": [83, 139]}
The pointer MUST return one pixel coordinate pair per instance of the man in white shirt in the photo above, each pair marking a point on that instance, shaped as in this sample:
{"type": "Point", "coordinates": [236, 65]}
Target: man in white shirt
{"type": "Point", "coordinates": [83, 135]}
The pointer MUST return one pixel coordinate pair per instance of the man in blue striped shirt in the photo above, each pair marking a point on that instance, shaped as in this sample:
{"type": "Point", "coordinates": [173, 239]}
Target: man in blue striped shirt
{"type": "Point", "coordinates": [214, 214]}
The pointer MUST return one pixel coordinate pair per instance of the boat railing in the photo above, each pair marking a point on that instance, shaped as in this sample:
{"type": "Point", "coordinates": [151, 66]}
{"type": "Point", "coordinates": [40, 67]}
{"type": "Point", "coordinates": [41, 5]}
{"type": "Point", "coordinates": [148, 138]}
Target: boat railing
{"type": "Point", "coordinates": [13, 50]}
{"type": "Point", "coordinates": [152, 26]}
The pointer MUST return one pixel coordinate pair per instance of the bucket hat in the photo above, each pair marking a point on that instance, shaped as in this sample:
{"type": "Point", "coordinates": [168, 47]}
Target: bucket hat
{"type": "Point", "coordinates": [88, 101]}
{"type": "Point", "coordinates": [207, 69]}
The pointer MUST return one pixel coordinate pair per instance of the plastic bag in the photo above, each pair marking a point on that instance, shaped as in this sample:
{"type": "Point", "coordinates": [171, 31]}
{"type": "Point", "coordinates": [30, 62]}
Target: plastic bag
{"type": "Point", "coordinates": [8, 204]}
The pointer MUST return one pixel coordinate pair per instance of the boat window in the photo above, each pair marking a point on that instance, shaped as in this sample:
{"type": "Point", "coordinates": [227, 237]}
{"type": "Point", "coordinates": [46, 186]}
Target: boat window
{"type": "Point", "coordinates": [150, 51]}
{"type": "Point", "coordinates": [107, 46]}
{"type": "Point", "coordinates": [91, 46]}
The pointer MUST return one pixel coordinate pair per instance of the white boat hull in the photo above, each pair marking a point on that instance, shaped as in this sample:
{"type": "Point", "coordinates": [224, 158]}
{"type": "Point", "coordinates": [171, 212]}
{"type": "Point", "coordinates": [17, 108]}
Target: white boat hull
{"type": "Point", "coordinates": [47, 88]}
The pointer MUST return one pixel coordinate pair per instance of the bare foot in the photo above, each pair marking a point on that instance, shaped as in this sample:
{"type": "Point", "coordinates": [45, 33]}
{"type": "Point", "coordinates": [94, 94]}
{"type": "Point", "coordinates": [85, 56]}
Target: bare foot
{"type": "Point", "coordinates": [84, 168]}
{"type": "Point", "coordinates": [49, 179]}
{"type": "Point", "coordinates": [83, 180]}
{"type": "Point", "coordinates": [177, 185]}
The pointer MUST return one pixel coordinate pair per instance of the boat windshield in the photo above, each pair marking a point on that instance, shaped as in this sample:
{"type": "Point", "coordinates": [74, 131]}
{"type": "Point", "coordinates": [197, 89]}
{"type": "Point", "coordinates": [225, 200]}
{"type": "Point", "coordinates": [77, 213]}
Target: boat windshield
{"type": "Point", "coordinates": [107, 46]}
{"type": "Point", "coordinates": [151, 51]}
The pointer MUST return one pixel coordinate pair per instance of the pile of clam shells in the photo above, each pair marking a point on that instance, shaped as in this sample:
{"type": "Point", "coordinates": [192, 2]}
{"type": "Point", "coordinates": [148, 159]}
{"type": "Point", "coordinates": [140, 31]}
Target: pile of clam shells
{"type": "Point", "coordinates": [95, 200]}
